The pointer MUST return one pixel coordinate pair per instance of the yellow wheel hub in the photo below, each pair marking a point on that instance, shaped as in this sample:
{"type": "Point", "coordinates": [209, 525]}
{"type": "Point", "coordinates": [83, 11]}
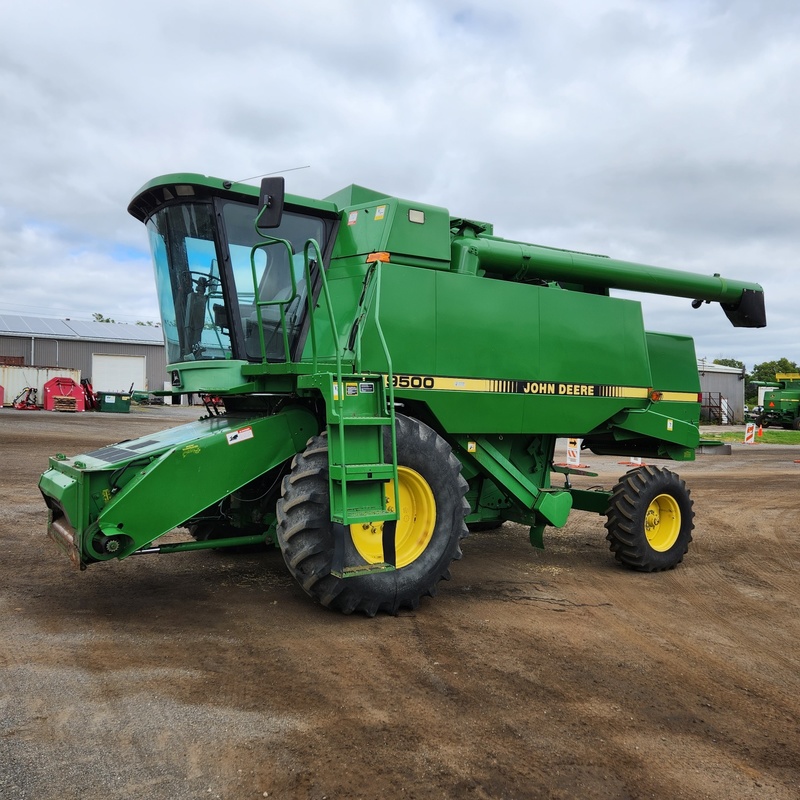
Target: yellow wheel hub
{"type": "Point", "coordinates": [414, 528]}
{"type": "Point", "coordinates": [662, 522]}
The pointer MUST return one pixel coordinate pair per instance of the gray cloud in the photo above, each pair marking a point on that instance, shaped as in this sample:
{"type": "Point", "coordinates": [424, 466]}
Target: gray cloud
{"type": "Point", "coordinates": [655, 132]}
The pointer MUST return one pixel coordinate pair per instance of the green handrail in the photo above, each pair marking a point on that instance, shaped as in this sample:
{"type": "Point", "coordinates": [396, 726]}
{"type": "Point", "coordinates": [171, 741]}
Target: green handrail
{"type": "Point", "coordinates": [389, 381]}
{"type": "Point", "coordinates": [312, 243]}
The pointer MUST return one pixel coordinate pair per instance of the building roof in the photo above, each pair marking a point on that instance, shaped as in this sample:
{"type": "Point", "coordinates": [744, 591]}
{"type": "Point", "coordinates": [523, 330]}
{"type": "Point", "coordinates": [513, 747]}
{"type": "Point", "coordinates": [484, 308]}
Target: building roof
{"type": "Point", "coordinates": [707, 366]}
{"type": "Point", "coordinates": [52, 328]}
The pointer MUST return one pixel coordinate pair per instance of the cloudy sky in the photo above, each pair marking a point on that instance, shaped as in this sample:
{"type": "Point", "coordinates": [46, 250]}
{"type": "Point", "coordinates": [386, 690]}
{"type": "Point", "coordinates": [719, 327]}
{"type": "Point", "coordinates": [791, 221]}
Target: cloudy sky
{"type": "Point", "coordinates": [657, 131]}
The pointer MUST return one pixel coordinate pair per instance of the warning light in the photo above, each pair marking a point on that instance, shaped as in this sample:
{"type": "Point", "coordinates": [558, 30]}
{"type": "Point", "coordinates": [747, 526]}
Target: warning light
{"type": "Point", "coordinates": [372, 257]}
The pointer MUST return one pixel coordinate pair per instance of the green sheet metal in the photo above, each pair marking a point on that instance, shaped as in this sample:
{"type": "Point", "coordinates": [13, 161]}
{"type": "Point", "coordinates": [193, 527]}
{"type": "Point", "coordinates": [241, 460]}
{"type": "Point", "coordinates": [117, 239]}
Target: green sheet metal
{"type": "Point", "coordinates": [138, 490]}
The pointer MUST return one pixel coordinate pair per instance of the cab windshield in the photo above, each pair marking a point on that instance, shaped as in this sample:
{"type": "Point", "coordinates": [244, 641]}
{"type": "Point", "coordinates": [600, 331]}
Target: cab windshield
{"type": "Point", "coordinates": [208, 312]}
{"type": "Point", "coordinates": [274, 267]}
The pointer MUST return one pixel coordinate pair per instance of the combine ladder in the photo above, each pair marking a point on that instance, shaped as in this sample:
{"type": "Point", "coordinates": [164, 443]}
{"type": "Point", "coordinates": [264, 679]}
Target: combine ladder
{"type": "Point", "coordinates": [363, 481]}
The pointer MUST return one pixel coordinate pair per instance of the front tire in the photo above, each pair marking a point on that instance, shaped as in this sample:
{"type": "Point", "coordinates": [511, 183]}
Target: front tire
{"type": "Point", "coordinates": [428, 536]}
{"type": "Point", "coordinates": [650, 519]}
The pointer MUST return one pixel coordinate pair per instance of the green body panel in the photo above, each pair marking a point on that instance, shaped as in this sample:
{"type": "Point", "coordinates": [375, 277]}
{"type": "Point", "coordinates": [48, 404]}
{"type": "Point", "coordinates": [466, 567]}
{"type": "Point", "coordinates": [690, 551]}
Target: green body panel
{"type": "Point", "coordinates": [345, 284]}
{"type": "Point", "coordinates": [212, 377]}
{"type": "Point", "coordinates": [782, 404]}
{"type": "Point", "coordinates": [673, 363]}
{"type": "Point", "coordinates": [386, 226]}
{"type": "Point", "coordinates": [138, 490]}
{"type": "Point", "coordinates": [439, 325]}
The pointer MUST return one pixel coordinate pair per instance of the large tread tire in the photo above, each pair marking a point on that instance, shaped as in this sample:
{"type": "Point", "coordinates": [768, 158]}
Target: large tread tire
{"type": "Point", "coordinates": [305, 532]}
{"type": "Point", "coordinates": [643, 495]}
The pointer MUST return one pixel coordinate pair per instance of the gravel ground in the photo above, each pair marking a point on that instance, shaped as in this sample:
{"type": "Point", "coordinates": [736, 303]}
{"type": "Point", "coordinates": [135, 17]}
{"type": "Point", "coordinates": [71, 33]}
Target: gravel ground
{"type": "Point", "coordinates": [532, 674]}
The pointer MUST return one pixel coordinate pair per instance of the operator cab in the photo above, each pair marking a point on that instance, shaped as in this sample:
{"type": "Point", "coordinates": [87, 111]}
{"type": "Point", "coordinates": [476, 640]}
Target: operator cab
{"type": "Point", "coordinates": [209, 278]}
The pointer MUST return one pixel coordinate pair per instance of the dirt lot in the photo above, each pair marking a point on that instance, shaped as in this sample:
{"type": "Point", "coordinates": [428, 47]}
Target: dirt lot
{"type": "Point", "coordinates": [550, 674]}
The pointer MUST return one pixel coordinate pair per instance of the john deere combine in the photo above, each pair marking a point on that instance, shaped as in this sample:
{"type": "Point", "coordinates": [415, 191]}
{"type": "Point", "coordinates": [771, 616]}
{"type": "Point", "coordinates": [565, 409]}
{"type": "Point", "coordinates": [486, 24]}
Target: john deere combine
{"type": "Point", "coordinates": [392, 376]}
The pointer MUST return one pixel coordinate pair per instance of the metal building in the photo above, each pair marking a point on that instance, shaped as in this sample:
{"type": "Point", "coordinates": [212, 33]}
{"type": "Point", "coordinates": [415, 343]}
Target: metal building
{"type": "Point", "coordinates": [111, 355]}
{"type": "Point", "coordinates": [723, 393]}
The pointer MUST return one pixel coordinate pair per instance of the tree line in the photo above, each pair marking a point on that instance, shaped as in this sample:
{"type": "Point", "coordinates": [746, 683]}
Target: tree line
{"type": "Point", "coordinates": [98, 317]}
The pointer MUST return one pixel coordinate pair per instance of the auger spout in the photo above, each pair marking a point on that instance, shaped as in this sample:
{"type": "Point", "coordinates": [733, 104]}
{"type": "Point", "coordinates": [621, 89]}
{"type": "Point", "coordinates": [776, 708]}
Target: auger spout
{"type": "Point", "coordinates": [742, 302]}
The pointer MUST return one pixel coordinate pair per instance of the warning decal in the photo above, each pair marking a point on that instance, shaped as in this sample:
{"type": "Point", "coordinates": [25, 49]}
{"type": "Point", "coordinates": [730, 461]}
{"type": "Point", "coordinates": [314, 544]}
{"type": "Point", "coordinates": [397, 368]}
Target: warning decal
{"type": "Point", "coordinates": [239, 436]}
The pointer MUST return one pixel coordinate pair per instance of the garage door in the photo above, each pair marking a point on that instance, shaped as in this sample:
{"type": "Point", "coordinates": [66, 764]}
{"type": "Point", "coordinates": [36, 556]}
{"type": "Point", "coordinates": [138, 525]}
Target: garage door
{"type": "Point", "coordinates": [118, 373]}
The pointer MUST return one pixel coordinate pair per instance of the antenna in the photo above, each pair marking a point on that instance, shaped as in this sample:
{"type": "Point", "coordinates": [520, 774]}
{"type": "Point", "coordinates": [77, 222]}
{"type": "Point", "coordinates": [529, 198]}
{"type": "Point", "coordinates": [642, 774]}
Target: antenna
{"type": "Point", "coordinates": [267, 174]}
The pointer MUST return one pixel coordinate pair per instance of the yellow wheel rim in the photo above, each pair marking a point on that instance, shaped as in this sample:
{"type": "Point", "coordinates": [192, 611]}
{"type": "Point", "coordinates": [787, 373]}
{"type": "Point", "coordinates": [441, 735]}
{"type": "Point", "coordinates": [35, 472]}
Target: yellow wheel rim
{"type": "Point", "coordinates": [662, 522]}
{"type": "Point", "coordinates": [414, 528]}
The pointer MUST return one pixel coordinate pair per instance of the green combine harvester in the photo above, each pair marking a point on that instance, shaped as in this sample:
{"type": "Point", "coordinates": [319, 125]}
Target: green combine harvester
{"type": "Point", "coordinates": [781, 402]}
{"type": "Point", "coordinates": [392, 377]}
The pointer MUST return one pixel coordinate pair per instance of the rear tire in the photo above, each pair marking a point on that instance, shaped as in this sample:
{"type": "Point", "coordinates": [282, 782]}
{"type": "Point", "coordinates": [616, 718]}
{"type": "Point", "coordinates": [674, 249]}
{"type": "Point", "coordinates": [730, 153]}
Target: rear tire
{"type": "Point", "coordinates": [650, 519]}
{"type": "Point", "coordinates": [427, 469]}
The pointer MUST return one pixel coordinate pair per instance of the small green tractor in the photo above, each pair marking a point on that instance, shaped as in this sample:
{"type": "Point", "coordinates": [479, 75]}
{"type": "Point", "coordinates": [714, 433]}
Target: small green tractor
{"type": "Point", "coordinates": [781, 402]}
{"type": "Point", "coordinates": [392, 377]}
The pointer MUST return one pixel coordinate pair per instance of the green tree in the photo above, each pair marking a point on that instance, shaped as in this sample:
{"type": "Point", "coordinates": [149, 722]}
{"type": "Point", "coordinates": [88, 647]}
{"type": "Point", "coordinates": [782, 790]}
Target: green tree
{"type": "Point", "coordinates": [729, 362]}
{"type": "Point", "coordinates": [767, 370]}
{"type": "Point", "coordinates": [97, 317]}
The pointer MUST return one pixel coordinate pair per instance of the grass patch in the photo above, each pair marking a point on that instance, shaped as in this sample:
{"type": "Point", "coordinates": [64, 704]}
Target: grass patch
{"type": "Point", "coordinates": [769, 436]}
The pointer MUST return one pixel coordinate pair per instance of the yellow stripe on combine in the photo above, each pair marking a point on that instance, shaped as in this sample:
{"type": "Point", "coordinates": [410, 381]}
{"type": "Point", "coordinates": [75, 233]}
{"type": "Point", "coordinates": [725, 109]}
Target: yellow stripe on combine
{"type": "Point", "coordinates": [679, 397]}
{"type": "Point", "coordinates": [542, 388]}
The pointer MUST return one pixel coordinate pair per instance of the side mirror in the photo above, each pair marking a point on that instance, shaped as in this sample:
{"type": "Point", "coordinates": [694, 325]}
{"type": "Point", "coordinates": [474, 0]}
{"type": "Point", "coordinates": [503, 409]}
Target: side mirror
{"type": "Point", "coordinates": [270, 202]}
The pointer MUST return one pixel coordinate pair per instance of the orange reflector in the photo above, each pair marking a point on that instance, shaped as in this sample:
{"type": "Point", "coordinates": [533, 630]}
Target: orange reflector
{"type": "Point", "coordinates": [656, 396]}
{"type": "Point", "coordinates": [377, 257]}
